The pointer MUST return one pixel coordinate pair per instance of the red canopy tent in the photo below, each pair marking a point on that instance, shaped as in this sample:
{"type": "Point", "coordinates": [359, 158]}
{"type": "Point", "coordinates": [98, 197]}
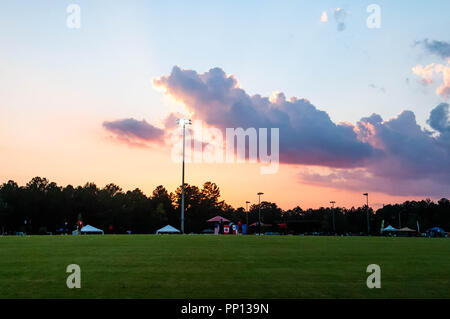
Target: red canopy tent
{"type": "Point", "coordinates": [218, 219]}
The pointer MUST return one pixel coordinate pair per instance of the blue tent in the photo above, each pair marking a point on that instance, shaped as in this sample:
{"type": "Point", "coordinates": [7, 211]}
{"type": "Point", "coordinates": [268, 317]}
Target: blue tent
{"type": "Point", "coordinates": [436, 229]}
{"type": "Point", "coordinates": [389, 228]}
{"type": "Point", "coordinates": [88, 229]}
{"type": "Point", "coordinates": [168, 230]}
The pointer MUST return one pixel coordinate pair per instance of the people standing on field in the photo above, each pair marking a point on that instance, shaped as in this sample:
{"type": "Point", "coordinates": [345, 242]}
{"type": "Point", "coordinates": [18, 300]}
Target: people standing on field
{"type": "Point", "coordinates": [220, 226]}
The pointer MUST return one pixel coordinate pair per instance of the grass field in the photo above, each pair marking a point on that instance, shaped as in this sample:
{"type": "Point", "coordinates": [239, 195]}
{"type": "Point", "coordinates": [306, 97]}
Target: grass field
{"type": "Point", "coordinates": [208, 266]}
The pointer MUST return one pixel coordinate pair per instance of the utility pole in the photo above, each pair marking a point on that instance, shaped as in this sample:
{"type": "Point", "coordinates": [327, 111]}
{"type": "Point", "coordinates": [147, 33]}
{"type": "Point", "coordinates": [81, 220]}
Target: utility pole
{"type": "Point", "coordinates": [259, 212]}
{"type": "Point", "coordinates": [332, 212]}
{"type": "Point", "coordinates": [367, 209]}
{"type": "Point", "coordinates": [183, 123]}
{"type": "Point", "coordinates": [246, 205]}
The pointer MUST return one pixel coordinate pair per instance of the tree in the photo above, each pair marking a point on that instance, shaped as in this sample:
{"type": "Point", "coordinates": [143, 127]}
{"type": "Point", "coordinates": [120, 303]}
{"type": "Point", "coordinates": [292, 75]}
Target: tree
{"type": "Point", "coordinates": [3, 215]}
{"type": "Point", "coordinates": [192, 201]}
{"type": "Point", "coordinates": [162, 199]}
{"type": "Point", "coordinates": [46, 206]}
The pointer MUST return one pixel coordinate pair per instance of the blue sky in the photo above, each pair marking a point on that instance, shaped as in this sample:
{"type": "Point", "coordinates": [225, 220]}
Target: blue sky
{"type": "Point", "coordinates": [268, 45]}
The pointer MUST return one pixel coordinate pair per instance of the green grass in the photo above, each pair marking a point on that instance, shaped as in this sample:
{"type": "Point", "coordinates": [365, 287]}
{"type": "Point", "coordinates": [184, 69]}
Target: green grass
{"type": "Point", "coordinates": [208, 266]}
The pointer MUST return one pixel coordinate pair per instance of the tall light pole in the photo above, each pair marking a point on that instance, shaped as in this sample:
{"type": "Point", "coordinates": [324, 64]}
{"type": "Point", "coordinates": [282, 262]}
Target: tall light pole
{"type": "Point", "coordinates": [332, 211]}
{"type": "Point", "coordinates": [367, 209]}
{"type": "Point", "coordinates": [246, 205]}
{"type": "Point", "coordinates": [259, 212]}
{"type": "Point", "coordinates": [183, 123]}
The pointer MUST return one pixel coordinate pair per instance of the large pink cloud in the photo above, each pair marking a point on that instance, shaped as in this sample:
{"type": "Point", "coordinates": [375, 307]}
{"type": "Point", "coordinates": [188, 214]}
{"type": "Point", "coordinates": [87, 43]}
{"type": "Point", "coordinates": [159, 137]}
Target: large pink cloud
{"type": "Point", "coordinates": [307, 135]}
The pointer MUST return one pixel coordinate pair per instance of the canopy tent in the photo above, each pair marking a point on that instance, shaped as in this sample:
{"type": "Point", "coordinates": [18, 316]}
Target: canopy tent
{"type": "Point", "coordinates": [436, 230]}
{"type": "Point", "coordinates": [168, 230]}
{"type": "Point", "coordinates": [407, 229]}
{"type": "Point", "coordinates": [389, 228]}
{"type": "Point", "coordinates": [218, 219]}
{"type": "Point", "coordinates": [88, 229]}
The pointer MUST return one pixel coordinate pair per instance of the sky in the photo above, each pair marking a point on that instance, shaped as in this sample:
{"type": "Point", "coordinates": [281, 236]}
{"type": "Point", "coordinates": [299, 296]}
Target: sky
{"type": "Point", "coordinates": [358, 109]}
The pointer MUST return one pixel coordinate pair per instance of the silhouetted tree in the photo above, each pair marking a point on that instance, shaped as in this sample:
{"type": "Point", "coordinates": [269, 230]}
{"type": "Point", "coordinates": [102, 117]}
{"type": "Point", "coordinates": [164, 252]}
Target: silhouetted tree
{"type": "Point", "coordinates": [42, 206]}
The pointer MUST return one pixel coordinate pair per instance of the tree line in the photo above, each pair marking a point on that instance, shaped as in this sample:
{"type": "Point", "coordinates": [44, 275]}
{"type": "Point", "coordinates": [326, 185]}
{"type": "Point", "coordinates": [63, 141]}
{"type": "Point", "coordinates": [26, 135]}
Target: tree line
{"type": "Point", "coordinates": [42, 206]}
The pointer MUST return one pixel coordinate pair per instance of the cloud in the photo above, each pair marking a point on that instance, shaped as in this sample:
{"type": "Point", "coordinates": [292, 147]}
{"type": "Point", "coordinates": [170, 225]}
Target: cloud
{"type": "Point", "coordinates": [395, 156]}
{"type": "Point", "coordinates": [307, 135]}
{"type": "Point", "coordinates": [440, 118]}
{"type": "Point", "coordinates": [134, 132]}
{"type": "Point", "coordinates": [412, 161]}
{"type": "Point", "coordinates": [426, 73]}
{"type": "Point", "coordinates": [432, 71]}
{"type": "Point", "coordinates": [440, 121]}
{"type": "Point", "coordinates": [408, 151]}
{"type": "Point", "coordinates": [439, 48]}
{"type": "Point", "coordinates": [444, 89]}
{"type": "Point", "coordinates": [340, 16]}
{"type": "Point", "coordinates": [359, 180]}
{"type": "Point", "coordinates": [324, 17]}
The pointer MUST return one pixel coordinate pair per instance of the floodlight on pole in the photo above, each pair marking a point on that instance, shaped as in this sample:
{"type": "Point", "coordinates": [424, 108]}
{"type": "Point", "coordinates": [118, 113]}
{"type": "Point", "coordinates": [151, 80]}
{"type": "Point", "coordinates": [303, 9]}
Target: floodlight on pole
{"type": "Point", "coordinates": [259, 212]}
{"type": "Point", "coordinates": [367, 209]}
{"type": "Point", "coordinates": [332, 211]}
{"type": "Point", "coordinates": [246, 205]}
{"type": "Point", "coordinates": [183, 122]}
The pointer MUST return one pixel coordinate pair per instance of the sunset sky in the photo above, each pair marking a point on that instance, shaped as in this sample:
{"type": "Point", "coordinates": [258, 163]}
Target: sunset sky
{"type": "Point", "coordinates": [358, 109]}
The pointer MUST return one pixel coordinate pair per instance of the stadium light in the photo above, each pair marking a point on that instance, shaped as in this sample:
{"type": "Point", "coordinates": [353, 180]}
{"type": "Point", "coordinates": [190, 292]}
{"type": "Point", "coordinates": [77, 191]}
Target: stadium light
{"type": "Point", "coordinates": [259, 212]}
{"type": "Point", "coordinates": [183, 122]}
{"type": "Point", "coordinates": [367, 209]}
{"type": "Point", "coordinates": [332, 211]}
{"type": "Point", "coordinates": [246, 205]}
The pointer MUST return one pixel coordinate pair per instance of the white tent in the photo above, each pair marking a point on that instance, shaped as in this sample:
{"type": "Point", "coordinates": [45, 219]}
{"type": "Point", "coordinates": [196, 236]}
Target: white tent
{"type": "Point", "coordinates": [168, 230]}
{"type": "Point", "coordinates": [88, 229]}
